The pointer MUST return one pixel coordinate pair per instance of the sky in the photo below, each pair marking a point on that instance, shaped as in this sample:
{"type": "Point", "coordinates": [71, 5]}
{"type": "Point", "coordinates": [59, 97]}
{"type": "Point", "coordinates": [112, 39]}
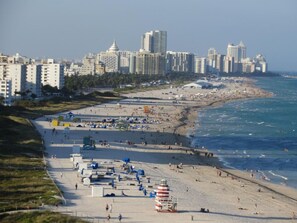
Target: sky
{"type": "Point", "coordinates": [69, 29]}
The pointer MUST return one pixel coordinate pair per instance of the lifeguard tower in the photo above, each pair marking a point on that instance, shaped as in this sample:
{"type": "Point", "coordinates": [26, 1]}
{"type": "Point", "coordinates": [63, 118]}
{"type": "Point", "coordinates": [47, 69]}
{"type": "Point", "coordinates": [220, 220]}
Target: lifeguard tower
{"type": "Point", "coordinates": [164, 203]}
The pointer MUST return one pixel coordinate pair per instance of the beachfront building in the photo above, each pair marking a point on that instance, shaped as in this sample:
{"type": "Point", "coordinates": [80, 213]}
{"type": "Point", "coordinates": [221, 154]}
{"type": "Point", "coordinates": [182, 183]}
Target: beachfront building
{"type": "Point", "coordinates": [200, 66]}
{"type": "Point", "coordinates": [16, 73]}
{"type": "Point", "coordinates": [179, 62]}
{"type": "Point", "coordinates": [5, 91]}
{"type": "Point", "coordinates": [88, 65]}
{"type": "Point", "coordinates": [229, 65]}
{"type": "Point", "coordinates": [110, 58]}
{"type": "Point", "coordinates": [248, 65]}
{"type": "Point", "coordinates": [126, 63]}
{"type": "Point", "coordinates": [72, 69]}
{"type": "Point", "coordinates": [211, 57]}
{"type": "Point", "coordinates": [236, 51]}
{"type": "Point", "coordinates": [132, 63]}
{"type": "Point", "coordinates": [260, 63]}
{"type": "Point", "coordinates": [150, 63]}
{"type": "Point", "coordinates": [154, 42]}
{"type": "Point", "coordinates": [52, 74]}
{"type": "Point", "coordinates": [33, 79]}
{"type": "Point", "coordinates": [215, 61]}
{"type": "Point", "coordinates": [3, 58]}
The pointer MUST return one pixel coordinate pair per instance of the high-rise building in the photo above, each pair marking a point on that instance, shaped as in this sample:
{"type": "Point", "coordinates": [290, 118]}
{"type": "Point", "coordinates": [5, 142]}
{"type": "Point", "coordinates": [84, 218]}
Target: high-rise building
{"type": "Point", "coordinates": [200, 65]}
{"type": "Point", "coordinates": [229, 65]}
{"type": "Point", "coordinates": [88, 65]}
{"type": "Point", "coordinates": [111, 58]}
{"type": "Point", "coordinates": [248, 65]}
{"type": "Point", "coordinates": [150, 63]}
{"type": "Point", "coordinates": [33, 79]}
{"type": "Point", "coordinates": [260, 63]}
{"type": "Point", "coordinates": [52, 74]}
{"type": "Point", "coordinates": [236, 51]}
{"type": "Point", "coordinates": [154, 42]}
{"type": "Point", "coordinates": [5, 91]}
{"type": "Point", "coordinates": [17, 74]}
{"type": "Point", "coordinates": [179, 61]}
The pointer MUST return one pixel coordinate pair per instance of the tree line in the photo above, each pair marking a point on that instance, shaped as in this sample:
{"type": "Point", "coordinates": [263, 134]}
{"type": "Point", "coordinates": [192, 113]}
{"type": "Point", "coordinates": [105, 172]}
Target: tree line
{"type": "Point", "coordinates": [114, 80]}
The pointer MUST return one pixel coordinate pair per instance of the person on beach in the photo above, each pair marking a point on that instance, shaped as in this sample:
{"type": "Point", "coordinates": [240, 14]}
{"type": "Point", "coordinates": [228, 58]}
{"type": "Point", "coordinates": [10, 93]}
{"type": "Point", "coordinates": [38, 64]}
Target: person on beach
{"type": "Point", "coordinates": [120, 217]}
{"type": "Point", "coordinates": [76, 186]}
{"type": "Point", "coordinates": [106, 207]}
{"type": "Point", "coordinates": [108, 217]}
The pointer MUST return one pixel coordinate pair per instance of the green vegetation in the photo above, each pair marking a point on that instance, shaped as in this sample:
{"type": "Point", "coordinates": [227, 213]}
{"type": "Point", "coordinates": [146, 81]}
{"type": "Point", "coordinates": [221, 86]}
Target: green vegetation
{"type": "Point", "coordinates": [39, 217]}
{"type": "Point", "coordinates": [23, 181]}
{"type": "Point", "coordinates": [74, 83]}
{"type": "Point", "coordinates": [53, 105]}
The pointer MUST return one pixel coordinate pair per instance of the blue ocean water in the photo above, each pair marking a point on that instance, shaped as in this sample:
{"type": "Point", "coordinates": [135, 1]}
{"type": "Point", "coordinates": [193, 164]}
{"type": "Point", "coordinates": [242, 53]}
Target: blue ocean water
{"type": "Point", "coordinates": [258, 135]}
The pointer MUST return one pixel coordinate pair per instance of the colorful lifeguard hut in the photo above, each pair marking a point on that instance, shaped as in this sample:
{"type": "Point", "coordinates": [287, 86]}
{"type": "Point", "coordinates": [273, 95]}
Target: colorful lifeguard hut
{"type": "Point", "coordinates": [164, 203]}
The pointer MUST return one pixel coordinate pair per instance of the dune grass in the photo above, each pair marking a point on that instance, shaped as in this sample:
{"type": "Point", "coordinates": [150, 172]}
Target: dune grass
{"type": "Point", "coordinates": [39, 217]}
{"type": "Point", "coordinates": [23, 180]}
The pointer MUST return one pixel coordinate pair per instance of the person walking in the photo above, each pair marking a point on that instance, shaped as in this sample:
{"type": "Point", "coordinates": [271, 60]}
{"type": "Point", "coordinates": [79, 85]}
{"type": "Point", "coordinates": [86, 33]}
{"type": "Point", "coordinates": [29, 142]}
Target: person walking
{"type": "Point", "coordinates": [106, 207]}
{"type": "Point", "coordinates": [120, 217]}
{"type": "Point", "coordinates": [76, 186]}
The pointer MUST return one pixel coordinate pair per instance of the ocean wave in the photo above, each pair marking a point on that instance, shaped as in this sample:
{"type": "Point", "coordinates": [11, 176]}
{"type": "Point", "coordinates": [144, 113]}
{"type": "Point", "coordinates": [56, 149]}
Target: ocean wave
{"type": "Point", "coordinates": [277, 175]}
{"type": "Point", "coordinates": [264, 177]}
{"type": "Point", "coordinates": [289, 76]}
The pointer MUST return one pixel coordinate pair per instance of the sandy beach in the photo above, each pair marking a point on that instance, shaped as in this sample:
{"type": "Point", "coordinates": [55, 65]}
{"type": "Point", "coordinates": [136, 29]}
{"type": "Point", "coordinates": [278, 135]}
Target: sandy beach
{"type": "Point", "coordinates": [158, 141]}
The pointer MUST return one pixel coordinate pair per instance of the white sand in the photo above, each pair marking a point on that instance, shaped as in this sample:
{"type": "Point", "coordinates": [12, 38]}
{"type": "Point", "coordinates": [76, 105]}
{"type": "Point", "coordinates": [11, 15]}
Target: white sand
{"type": "Point", "coordinates": [196, 186]}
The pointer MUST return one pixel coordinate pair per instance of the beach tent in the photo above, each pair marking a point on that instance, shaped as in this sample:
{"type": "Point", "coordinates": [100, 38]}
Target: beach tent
{"type": "Point", "coordinates": [94, 165]}
{"type": "Point", "coordinates": [140, 172]}
{"type": "Point", "coordinates": [126, 160]}
{"type": "Point", "coordinates": [69, 115]}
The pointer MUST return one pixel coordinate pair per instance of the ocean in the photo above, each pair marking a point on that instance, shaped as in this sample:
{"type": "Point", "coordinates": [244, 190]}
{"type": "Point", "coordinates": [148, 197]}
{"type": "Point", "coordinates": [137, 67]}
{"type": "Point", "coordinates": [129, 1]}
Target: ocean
{"type": "Point", "coordinates": [256, 135]}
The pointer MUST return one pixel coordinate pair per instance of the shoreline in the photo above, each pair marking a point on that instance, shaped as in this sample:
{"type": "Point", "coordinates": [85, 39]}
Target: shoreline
{"type": "Point", "coordinates": [190, 116]}
{"type": "Point", "coordinates": [197, 184]}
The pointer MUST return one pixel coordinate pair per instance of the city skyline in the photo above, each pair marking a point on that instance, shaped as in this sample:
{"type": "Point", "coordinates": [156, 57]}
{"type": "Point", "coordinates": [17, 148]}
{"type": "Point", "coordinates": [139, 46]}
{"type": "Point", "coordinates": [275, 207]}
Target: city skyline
{"type": "Point", "coordinates": [75, 29]}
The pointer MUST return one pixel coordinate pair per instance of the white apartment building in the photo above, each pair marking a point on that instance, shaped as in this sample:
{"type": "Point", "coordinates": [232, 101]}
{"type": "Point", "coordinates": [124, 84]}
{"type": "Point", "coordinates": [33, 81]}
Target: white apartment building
{"type": "Point", "coordinates": [200, 65]}
{"type": "Point", "coordinates": [5, 91]}
{"type": "Point", "coordinates": [88, 66]}
{"type": "Point", "coordinates": [260, 63]}
{"type": "Point", "coordinates": [150, 63]}
{"type": "Point", "coordinates": [52, 74]}
{"type": "Point", "coordinates": [236, 51]}
{"type": "Point", "coordinates": [33, 79]}
{"type": "Point", "coordinates": [180, 61]}
{"type": "Point", "coordinates": [16, 73]}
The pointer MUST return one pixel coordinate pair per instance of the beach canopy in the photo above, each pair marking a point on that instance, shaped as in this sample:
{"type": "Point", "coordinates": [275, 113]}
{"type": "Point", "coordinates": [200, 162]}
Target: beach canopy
{"type": "Point", "coordinates": [94, 165]}
{"type": "Point", "coordinates": [126, 160]}
{"type": "Point", "coordinates": [140, 172]}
